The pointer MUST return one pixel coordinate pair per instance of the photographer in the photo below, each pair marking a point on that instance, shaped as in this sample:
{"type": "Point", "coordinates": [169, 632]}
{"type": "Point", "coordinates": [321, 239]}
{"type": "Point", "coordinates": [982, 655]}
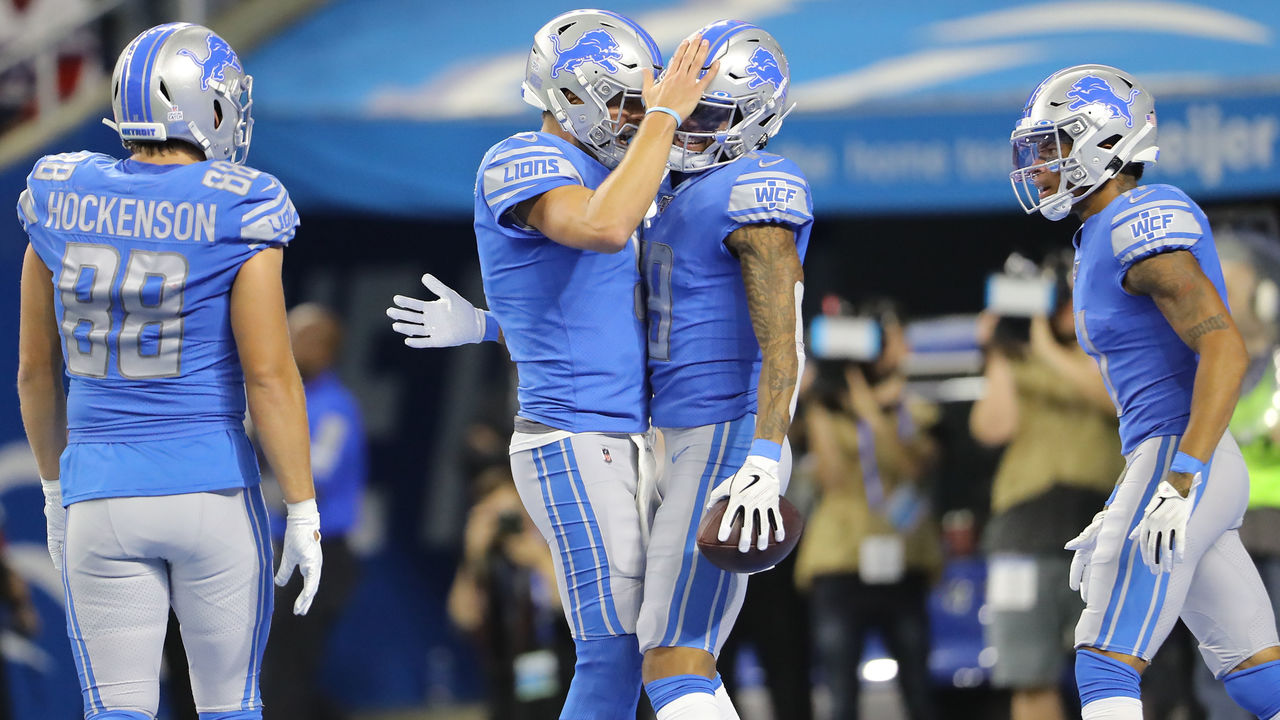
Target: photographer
{"type": "Point", "coordinates": [870, 551]}
{"type": "Point", "coordinates": [504, 595]}
{"type": "Point", "coordinates": [1045, 401]}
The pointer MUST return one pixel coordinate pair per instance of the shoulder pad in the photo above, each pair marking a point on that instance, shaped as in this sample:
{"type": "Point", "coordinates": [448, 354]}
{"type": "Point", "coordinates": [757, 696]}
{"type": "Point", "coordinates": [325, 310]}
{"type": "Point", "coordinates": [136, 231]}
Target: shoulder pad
{"type": "Point", "coordinates": [268, 216]}
{"type": "Point", "coordinates": [769, 188]}
{"type": "Point", "coordinates": [56, 168]}
{"type": "Point", "coordinates": [521, 162]}
{"type": "Point", "coordinates": [1152, 219]}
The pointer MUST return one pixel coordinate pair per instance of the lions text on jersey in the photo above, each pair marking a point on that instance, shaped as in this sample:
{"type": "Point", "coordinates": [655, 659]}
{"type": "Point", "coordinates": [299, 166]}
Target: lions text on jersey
{"type": "Point", "coordinates": [568, 316]}
{"type": "Point", "coordinates": [143, 257]}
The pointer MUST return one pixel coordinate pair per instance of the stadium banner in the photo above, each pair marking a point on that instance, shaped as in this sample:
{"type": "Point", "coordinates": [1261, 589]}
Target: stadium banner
{"type": "Point", "coordinates": [925, 161]}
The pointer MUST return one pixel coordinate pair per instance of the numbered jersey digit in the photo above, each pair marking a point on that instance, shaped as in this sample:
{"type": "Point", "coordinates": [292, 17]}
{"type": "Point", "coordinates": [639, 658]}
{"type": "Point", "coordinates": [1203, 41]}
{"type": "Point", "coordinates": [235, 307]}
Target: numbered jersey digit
{"type": "Point", "coordinates": [658, 260]}
{"type": "Point", "coordinates": [151, 296]}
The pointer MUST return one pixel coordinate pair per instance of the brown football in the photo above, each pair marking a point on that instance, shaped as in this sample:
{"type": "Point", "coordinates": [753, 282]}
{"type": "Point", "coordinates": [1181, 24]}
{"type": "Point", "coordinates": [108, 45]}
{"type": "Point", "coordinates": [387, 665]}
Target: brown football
{"type": "Point", "coordinates": [725, 555]}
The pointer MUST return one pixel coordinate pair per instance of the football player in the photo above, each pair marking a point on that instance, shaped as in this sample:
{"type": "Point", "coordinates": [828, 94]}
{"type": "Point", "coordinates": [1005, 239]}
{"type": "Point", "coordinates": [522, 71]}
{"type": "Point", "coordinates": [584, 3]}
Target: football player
{"type": "Point", "coordinates": [722, 266]}
{"type": "Point", "coordinates": [157, 279]}
{"type": "Point", "coordinates": [555, 211]}
{"type": "Point", "coordinates": [1150, 308]}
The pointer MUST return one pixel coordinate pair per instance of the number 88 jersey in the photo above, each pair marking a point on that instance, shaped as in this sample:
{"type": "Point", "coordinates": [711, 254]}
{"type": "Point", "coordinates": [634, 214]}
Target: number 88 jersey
{"type": "Point", "coordinates": [143, 257]}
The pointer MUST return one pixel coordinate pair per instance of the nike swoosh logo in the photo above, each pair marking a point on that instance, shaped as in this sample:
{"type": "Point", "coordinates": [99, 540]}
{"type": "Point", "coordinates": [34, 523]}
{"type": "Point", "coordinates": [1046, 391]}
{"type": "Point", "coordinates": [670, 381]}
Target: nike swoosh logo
{"type": "Point", "coordinates": [675, 457]}
{"type": "Point", "coordinates": [771, 163]}
{"type": "Point", "coordinates": [1133, 199]}
{"type": "Point", "coordinates": [754, 479]}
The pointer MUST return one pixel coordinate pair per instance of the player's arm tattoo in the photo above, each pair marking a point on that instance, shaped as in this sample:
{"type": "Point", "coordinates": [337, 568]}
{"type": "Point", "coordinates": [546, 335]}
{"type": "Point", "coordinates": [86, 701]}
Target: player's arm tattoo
{"type": "Point", "coordinates": [770, 272]}
{"type": "Point", "coordinates": [1186, 297]}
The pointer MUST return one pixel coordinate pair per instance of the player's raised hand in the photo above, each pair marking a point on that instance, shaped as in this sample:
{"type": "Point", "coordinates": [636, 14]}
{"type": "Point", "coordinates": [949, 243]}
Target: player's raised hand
{"type": "Point", "coordinates": [302, 550]}
{"type": "Point", "coordinates": [446, 322]}
{"type": "Point", "coordinates": [683, 81]}
{"type": "Point", "coordinates": [753, 491]}
{"type": "Point", "coordinates": [1083, 545]}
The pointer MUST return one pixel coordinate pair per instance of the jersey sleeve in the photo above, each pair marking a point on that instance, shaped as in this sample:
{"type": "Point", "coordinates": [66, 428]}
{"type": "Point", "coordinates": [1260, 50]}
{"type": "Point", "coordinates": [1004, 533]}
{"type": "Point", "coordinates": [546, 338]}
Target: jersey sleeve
{"type": "Point", "coordinates": [771, 190]}
{"type": "Point", "coordinates": [27, 214]}
{"type": "Point", "coordinates": [267, 216]}
{"type": "Point", "coordinates": [1155, 220]}
{"type": "Point", "coordinates": [522, 167]}
{"type": "Point", "coordinates": [49, 173]}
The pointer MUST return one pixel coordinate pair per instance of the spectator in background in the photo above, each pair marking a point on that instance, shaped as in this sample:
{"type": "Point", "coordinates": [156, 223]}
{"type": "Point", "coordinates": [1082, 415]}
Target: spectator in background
{"type": "Point", "coordinates": [290, 673]}
{"type": "Point", "coordinates": [870, 551]}
{"type": "Point", "coordinates": [1251, 270]}
{"type": "Point", "coordinates": [1044, 400]}
{"type": "Point", "coordinates": [504, 595]}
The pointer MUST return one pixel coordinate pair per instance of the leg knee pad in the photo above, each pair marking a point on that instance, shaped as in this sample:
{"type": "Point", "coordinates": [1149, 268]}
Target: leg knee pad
{"type": "Point", "coordinates": [606, 679]}
{"type": "Point", "coordinates": [1257, 689]}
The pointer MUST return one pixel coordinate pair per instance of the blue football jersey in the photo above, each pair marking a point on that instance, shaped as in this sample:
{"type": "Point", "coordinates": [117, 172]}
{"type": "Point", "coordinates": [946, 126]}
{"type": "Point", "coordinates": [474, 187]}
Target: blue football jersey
{"type": "Point", "coordinates": [569, 317]}
{"type": "Point", "coordinates": [1148, 370]}
{"type": "Point", "coordinates": [143, 258]}
{"type": "Point", "coordinates": [704, 360]}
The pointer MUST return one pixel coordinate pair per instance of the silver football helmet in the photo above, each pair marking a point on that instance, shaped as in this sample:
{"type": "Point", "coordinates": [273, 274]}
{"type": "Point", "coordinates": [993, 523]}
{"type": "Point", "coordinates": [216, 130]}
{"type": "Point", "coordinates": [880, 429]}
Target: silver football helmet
{"type": "Point", "coordinates": [581, 63]}
{"type": "Point", "coordinates": [1107, 118]}
{"type": "Point", "coordinates": [742, 107]}
{"type": "Point", "coordinates": [183, 82]}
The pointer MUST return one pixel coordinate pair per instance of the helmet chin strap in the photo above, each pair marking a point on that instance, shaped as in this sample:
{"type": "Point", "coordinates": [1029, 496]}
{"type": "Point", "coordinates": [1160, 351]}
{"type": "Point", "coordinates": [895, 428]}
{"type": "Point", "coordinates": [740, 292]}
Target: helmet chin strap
{"type": "Point", "coordinates": [1058, 209]}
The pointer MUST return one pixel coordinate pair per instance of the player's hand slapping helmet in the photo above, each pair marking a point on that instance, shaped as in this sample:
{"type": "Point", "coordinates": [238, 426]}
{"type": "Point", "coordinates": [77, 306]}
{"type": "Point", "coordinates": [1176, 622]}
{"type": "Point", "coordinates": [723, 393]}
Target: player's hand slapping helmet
{"type": "Point", "coordinates": [753, 491]}
{"type": "Point", "coordinates": [1162, 532]}
{"type": "Point", "coordinates": [446, 322]}
{"type": "Point", "coordinates": [55, 520]}
{"type": "Point", "coordinates": [302, 550]}
{"type": "Point", "coordinates": [683, 81]}
{"type": "Point", "coordinates": [1083, 545]}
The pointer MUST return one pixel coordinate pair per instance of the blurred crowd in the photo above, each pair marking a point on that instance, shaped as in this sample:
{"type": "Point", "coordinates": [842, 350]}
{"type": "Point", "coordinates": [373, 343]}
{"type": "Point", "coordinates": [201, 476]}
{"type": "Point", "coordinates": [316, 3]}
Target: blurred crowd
{"type": "Point", "coordinates": [967, 606]}
{"type": "Point", "coordinates": [70, 45]}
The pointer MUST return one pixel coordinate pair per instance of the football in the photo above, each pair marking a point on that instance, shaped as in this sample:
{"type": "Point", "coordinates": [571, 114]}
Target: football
{"type": "Point", "coordinates": [725, 555]}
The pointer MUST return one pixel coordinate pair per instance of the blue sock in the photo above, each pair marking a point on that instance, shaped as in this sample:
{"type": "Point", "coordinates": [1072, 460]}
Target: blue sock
{"type": "Point", "coordinates": [1099, 677]}
{"type": "Point", "coordinates": [1256, 689]}
{"type": "Point", "coordinates": [663, 690]}
{"type": "Point", "coordinates": [118, 715]}
{"type": "Point", "coordinates": [606, 679]}
{"type": "Point", "coordinates": [233, 715]}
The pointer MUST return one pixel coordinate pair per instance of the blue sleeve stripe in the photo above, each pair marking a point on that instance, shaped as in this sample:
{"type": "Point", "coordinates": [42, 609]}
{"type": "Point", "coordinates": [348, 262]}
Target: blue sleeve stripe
{"type": "Point", "coordinates": [1128, 214]}
{"type": "Point", "coordinates": [779, 177]}
{"type": "Point", "coordinates": [1148, 248]}
{"type": "Point", "coordinates": [497, 198]}
{"type": "Point", "coordinates": [529, 150]}
{"type": "Point", "coordinates": [502, 192]}
{"type": "Point", "coordinates": [764, 215]}
{"type": "Point", "coordinates": [1192, 237]}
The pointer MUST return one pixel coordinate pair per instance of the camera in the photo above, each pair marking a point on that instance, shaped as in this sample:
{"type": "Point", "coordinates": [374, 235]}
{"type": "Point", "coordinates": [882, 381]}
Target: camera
{"type": "Point", "coordinates": [845, 338]}
{"type": "Point", "coordinates": [1020, 296]}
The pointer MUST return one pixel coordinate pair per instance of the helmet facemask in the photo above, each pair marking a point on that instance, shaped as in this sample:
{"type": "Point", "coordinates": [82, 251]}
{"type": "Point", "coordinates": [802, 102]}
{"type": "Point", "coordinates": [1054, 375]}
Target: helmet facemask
{"type": "Point", "coordinates": [603, 116]}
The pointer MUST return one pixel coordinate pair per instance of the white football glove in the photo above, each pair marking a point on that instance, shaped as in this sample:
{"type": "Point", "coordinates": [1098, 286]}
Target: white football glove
{"type": "Point", "coordinates": [446, 322]}
{"type": "Point", "coordinates": [754, 490]}
{"type": "Point", "coordinates": [1083, 545]}
{"type": "Point", "coordinates": [1162, 532]}
{"type": "Point", "coordinates": [55, 520]}
{"type": "Point", "coordinates": [302, 550]}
